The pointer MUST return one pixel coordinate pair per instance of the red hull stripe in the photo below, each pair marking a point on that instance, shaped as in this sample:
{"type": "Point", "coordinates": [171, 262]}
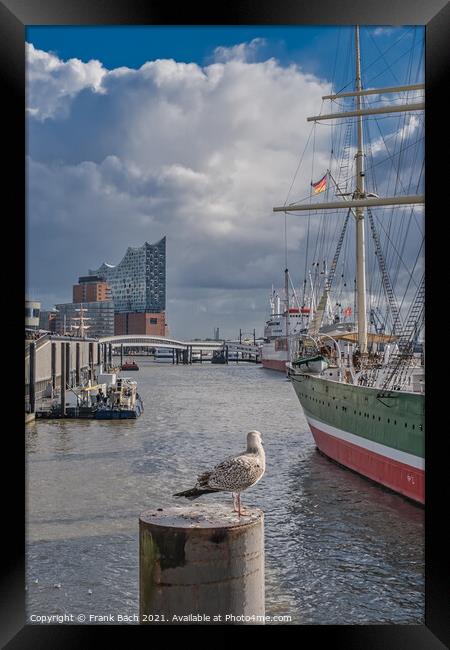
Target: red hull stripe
{"type": "Point", "coordinates": [274, 364]}
{"type": "Point", "coordinates": [410, 460]}
{"type": "Point", "coordinates": [397, 476]}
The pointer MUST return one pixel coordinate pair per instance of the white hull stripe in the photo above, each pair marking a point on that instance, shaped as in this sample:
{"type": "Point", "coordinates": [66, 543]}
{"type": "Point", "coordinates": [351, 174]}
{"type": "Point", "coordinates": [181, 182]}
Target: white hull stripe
{"type": "Point", "coordinates": [370, 445]}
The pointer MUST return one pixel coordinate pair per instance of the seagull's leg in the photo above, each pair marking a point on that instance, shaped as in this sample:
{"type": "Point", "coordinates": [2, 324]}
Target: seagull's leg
{"type": "Point", "coordinates": [242, 513]}
{"type": "Point", "coordinates": [234, 502]}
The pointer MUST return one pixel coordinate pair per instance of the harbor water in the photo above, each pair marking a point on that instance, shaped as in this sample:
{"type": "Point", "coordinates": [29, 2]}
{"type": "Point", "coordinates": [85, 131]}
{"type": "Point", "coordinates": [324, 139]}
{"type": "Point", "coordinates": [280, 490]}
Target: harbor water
{"type": "Point", "coordinates": [339, 549]}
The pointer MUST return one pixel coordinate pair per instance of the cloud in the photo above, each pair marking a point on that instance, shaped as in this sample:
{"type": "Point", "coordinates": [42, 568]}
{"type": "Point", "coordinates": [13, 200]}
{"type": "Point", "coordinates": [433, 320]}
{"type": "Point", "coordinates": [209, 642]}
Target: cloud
{"type": "Point", "coordinates": [200, 154]}
{"type": "Point", "coordinates": [51, 83]}
{"type": "Point", "coordinates": [383, 31]}
{"type": "Point", "coordinates": [241, 52]}
{"type": "Point", "coordinates": [389, 141]}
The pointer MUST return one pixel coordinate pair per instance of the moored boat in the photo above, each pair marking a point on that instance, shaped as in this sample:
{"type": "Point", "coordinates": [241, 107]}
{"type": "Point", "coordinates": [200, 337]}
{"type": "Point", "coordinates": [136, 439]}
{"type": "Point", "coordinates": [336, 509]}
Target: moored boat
{"type": "Point", "coordinates": [363, 392]}
{"type": "Point", "coordinates": [112, 398]}
{"type": "Point", "coordinates": [129, 365]}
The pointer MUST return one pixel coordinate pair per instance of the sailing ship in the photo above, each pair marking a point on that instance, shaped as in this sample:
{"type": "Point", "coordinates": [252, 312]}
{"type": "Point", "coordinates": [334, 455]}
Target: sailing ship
{"type": "Point", "coordinates": [79, 322]}
{"type": "Point", "coordinates": [363, 392]}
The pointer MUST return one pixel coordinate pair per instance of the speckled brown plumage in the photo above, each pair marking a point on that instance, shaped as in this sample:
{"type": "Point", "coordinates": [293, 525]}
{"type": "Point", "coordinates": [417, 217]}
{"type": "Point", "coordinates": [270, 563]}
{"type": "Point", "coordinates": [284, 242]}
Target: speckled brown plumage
{"type": "Point", "coordinates": [235, 474]}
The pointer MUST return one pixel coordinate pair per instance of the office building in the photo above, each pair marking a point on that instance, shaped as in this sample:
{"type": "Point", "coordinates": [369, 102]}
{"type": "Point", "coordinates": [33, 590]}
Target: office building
{"type": "Point", "coordinates": [98, 318]}
{"type": "Point", "coordinates": [91, 288]}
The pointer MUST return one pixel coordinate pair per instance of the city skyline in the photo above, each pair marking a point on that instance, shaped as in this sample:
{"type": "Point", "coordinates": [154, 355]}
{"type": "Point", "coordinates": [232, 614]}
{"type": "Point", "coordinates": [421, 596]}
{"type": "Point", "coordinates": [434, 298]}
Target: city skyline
{"type": "Point", "coordinates": [197, 146]}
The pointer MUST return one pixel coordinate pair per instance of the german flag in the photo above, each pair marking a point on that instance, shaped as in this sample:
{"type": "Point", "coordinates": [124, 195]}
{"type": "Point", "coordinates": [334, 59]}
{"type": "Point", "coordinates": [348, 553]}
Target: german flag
{"type": "Point", "coordinates": [320, 186]}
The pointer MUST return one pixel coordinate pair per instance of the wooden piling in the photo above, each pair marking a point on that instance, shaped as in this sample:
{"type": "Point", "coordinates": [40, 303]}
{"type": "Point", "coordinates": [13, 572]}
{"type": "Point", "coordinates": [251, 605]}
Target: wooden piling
{"type": "Point", "coordinates": [53, 365]}
{"type": "Point", "coordinates": [91, 361]}
{"type": "Point", "coordinates": [32, 382]}
{"type": "Point", "coordinates": [121, 355]}
{"type": "Point", "coordinates": [63, 379]}
{"type": "Point", "coordinates": [67, 377]}
{"type": "Point", "coordinates": [201, 559]}
{"type": "Point", "coordinates": [99, 354]}
{"type": "Point", "coordinates": [77, 363]}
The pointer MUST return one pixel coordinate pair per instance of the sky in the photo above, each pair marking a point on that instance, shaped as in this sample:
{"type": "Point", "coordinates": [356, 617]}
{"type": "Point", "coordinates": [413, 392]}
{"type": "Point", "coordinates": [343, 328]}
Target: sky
{"type": "Point", "coordinates": [134, 133]}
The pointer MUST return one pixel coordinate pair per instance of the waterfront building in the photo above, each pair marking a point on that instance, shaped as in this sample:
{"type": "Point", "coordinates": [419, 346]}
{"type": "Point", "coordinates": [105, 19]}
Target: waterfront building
{"type": "Point", "coordinates": [32, 312]}
{"type": "Point", "coordinates": [98, 316]}
{"type": "Point", "coordinates": [140, 323]}
{"type": "Point", "coordinates": [138, 289]}
{"type": "Point", "coordinates": [91, 288]}
{"type": "Point", "coordinates": [47, 320]}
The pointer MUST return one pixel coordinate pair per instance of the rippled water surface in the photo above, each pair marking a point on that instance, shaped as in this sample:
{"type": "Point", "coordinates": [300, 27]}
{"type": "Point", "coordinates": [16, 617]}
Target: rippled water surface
{"type": "Point", "coordinates": [338, 548]}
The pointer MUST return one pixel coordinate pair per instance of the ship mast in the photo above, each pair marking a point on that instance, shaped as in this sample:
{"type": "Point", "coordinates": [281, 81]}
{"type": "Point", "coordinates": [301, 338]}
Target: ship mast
{"type": "Point", "coordinates": [360, 200]}
{"type": "Point", "coordinates": [359, 212]}
{"type": "Point", "coordinates": [286, 289]}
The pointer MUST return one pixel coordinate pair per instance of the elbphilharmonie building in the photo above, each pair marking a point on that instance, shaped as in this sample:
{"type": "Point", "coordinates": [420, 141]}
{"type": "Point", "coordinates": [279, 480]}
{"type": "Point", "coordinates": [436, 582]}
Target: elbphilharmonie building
{"type": "Point", "coordinates": [138, 288]}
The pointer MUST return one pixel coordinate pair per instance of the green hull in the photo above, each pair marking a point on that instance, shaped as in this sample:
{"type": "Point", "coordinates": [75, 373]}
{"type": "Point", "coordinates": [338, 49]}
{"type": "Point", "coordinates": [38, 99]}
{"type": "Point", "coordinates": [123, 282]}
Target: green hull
{"type": "Point", "coordinates": [380, 435]}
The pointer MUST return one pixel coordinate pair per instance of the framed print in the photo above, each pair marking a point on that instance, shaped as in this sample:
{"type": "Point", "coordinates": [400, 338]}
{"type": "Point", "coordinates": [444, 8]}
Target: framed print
{"type": "Point", "coordinates": [210, 197]}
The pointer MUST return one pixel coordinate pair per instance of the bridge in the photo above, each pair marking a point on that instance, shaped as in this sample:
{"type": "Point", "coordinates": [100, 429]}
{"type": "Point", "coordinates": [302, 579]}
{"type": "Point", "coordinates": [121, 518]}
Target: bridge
{"type": "Point", "coordinates": [153, 341]}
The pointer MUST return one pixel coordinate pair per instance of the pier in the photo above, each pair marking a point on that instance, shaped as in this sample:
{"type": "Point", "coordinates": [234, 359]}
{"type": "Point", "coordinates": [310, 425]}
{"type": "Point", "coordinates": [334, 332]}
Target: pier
{"type": "Point", "coordinates": [55, 364]}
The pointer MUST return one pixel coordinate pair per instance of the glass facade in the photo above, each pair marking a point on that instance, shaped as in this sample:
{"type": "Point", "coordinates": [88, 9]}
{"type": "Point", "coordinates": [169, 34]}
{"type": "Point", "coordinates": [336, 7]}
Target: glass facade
{"type": "Point", "coordinates": [138, 282]}
{"type": "Point", "coordinates": [99, 316]}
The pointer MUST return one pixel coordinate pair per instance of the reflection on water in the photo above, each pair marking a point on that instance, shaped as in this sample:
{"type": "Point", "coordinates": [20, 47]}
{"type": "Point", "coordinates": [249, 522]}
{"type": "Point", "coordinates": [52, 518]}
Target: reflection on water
{"type": "Point", "coordinates": [339, 549]}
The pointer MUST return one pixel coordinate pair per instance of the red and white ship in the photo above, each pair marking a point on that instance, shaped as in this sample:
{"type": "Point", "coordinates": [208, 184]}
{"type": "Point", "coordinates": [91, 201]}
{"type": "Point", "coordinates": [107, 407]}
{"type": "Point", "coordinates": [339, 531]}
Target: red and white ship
{"type": "Point", "coordinates": [286, 322]}
{"type": "Point", "coordinates": [275, 349]}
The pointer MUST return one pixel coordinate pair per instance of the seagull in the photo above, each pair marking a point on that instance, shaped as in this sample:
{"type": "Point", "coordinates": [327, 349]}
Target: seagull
{"type": "Point", "coordinates": [235, 474]}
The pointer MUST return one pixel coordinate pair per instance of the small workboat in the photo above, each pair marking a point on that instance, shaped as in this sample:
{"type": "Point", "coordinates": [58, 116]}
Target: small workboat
{"type": "Point", "coordinates": [122, 401]}
{"type": "Point", "coordinates": [112, 398]}
{"type": "Point", "coordinates": [129, 365]}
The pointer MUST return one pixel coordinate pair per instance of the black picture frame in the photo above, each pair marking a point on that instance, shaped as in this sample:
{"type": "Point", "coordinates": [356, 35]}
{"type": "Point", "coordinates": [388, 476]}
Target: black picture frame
{"type": "Point", "coordinates": [15, 15]}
